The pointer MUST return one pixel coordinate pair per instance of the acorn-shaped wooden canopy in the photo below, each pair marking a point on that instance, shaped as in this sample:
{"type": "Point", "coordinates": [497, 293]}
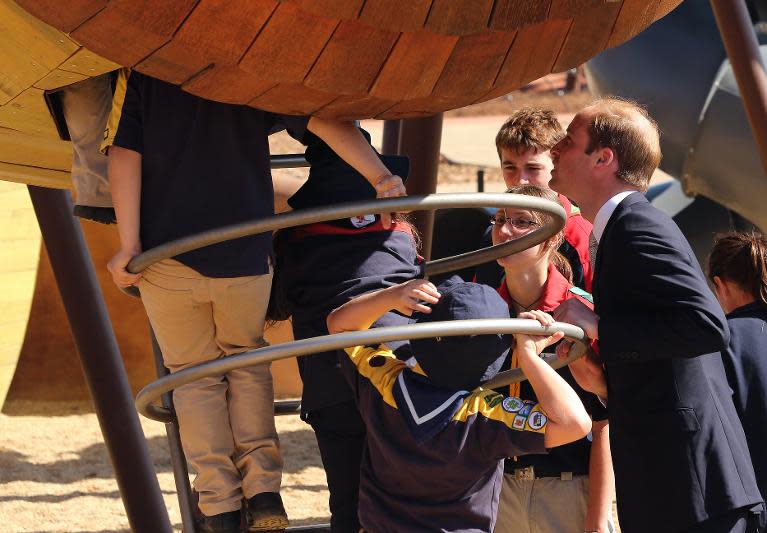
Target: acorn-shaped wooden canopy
{"type": "Point", "coordinates": [349, 58]}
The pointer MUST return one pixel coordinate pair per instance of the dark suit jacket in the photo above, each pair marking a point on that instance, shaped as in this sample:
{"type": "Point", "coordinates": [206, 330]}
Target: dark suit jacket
{"type": "Point", "coordinates": [746, 364]}
{"type": "Point", "coordinates": [678, 448]}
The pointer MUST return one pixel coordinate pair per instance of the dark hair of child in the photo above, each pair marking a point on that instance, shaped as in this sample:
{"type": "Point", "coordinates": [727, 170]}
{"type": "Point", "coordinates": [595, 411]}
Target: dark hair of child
{"type": "Point", "coordinates": [741, 258]}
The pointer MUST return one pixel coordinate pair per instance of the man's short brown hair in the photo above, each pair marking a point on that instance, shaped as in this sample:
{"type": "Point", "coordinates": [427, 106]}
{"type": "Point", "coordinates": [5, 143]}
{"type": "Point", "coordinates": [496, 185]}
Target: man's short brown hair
{"type": "Point", "coordinates": [529, 129]}
{"type": "Point", "coordinates": [630, 132]}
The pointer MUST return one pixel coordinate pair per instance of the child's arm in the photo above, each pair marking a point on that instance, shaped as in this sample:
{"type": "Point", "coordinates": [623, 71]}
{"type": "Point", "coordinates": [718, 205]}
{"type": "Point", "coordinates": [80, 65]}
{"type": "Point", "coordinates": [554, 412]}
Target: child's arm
{"type": "Point", "coordinates": [124, 171]}
{"type": "Point", "coordinates": [347, 141]}
{"type": "Point", "coordinates": [567, 418]}
{"type": "Point", "coordinates": [361, 312]}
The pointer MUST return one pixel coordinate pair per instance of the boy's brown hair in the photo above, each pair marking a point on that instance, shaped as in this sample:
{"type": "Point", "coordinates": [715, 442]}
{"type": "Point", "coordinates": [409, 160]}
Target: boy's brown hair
{"type": "Point", "coordinates": [529, 129]}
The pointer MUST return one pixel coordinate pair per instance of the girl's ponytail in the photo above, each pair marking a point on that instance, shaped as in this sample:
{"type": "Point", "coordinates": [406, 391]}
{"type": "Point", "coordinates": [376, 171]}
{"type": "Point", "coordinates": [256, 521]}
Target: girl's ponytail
{"type": "Point", "coordinates": [741, 258]}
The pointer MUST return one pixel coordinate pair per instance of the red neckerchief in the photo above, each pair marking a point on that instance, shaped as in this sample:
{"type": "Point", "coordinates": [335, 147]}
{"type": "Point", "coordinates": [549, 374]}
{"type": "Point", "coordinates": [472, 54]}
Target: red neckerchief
{"type": "Point", "coordinates": [322, 228]}
{"type": "Point", "coordinates": [555, 291]}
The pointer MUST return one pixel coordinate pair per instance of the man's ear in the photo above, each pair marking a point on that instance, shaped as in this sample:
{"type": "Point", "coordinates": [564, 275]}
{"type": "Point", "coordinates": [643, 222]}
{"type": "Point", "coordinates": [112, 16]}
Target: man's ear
{"type": "Point", "coordinates": [606, 156]}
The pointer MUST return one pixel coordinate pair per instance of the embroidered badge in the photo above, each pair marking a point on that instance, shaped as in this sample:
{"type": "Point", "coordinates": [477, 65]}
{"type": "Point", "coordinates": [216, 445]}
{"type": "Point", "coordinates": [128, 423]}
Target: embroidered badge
{"type": "Point", "coordinates": [362, 220]}
{"type": "Point", "coordinates": [526, 409]}
{"type": "Point", "coordinates": [512, 404]}
{"type": "Point", "coordinates": [537, 420]}
{"type": "Point", "coordinates": [519, 422]}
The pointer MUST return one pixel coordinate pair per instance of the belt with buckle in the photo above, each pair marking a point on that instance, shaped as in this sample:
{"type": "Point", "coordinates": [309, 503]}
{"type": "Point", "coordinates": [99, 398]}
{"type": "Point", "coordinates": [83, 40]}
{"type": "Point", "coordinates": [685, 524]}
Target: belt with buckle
{"type": "Point", "coordinates": [528, 474]}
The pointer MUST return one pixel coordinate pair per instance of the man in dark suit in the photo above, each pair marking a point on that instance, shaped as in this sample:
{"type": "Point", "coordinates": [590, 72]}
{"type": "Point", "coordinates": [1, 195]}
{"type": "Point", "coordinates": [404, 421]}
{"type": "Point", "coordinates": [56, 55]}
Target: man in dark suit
{"type": "Point", "coordinates": [679, 452]}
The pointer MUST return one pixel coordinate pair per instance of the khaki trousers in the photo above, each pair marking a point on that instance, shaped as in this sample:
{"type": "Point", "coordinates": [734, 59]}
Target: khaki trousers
{"type": "Point", "coordinates": [226, 422]}
{"type": "Point", "coordinates": [545, 505]}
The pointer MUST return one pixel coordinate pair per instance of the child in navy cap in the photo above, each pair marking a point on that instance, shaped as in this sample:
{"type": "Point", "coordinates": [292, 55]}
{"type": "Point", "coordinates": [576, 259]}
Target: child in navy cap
{"type": "Point", "coordinates": [436, 441]}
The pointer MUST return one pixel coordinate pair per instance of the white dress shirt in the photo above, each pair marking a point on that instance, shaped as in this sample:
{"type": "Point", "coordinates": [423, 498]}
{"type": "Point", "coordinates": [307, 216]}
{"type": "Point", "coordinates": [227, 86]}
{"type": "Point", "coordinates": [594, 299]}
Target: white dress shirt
{"type": "Point", "coordinates": [605, 212]}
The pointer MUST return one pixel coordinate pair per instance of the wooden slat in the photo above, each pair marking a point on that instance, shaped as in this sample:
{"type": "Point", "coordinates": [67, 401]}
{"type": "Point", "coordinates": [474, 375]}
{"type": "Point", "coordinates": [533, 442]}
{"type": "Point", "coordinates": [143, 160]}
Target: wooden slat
{"type": "Point", "coordinates": [531, 56]}
{"type": "Point", "coordinates": [227, 84]}
{"type": "Point", "coordinates": [217, 31]}
{"type": "Point", "coordinates": [335, 9]}
{"type": "Point", "coordinates": [288, 45]}
{"type": "Point", "coordinates": [635, 15]}
{"type": "Point", "coordinates": [414, 66]}
{"type": "Point", "coordinates": [127, 31]}
{"type": "Point", "coordinates": [588, 36]}
{"type": "Point", "coordinates": [28, 113]}
{"type": "Point", "coordinates": [512, 15]}
{"type": "Point", "coordinates": [459, 17]}
{"type": "Point", "coordinates": [58, 78]}
{"type": "Point", "coordinates": [173, 63]}
{"type": "Point", "coordinates": [408, 16]}
{"type": "Point", "coordinates": [473, 65]}
{"type": "Point", "coordinates": [352, 108]}
{"type": "Point", "coordinates": [42, 177]}
{"type": "Point", "coordinates": [665, 7]}
{"type": "Point", "coordinates": [88, 63]}
{"type": "Point", "coordinates": [29, 50]}
{"type": "Point", "coordinates": [50, 11]}
{"type": "Point", "coordinates": [420, 107]}
{"type": "Point", "coordinates": [292, 99]}
{"type": "Point", "coordinates": [341, 68]}
{"type": "Point", "coordinates": [31, 150]}
{"type": "Point", "coordinates": [564, 9]}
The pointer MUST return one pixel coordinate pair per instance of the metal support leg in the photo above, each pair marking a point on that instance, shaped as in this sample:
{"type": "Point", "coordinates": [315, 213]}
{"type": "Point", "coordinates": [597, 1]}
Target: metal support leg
{"type": "Point", "coordinates": [101, 362]}
{"type": "Point", "coordinates": [743, 50]}
{"type": "Point", "coordinates": [420, 140]}
{"type": "Point", "coordinates": [390, 142]}
{"type": "Point", "coordinates": [186, 500]}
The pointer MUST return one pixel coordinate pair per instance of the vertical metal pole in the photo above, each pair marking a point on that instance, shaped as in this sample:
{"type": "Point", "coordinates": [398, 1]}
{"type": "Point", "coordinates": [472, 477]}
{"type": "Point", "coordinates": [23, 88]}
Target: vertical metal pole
{"type": "Point", "coordinates": [480, 180]}
{"type": "Point", "coordinates": [420, 139]}
{"type": "Point", "coordinates": [186, 501]}
{"type": "Point", "coordinates": [743, 50]}
{"type": "Point", "coordinates": [101, 362]}
{"type": "Point", "coordinates": [390, 142]}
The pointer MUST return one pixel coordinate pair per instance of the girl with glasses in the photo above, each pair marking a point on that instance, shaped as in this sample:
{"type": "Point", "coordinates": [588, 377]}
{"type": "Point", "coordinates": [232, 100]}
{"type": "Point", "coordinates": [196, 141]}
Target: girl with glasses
{"type": "Point", "coordinates": [569, 489]}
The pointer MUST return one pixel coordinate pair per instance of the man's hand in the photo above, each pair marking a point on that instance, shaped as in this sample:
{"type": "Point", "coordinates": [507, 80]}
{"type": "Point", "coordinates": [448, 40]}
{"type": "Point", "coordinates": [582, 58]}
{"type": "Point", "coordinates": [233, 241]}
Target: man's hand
{"type": "Point", "coordinates": [538, 342]}
{"type": "Point", "coordinates": [576, 312]}
{"type": "Point", "coordinates": [389, 186]}
{"type": "Point", "coordinates": [588, 370]}
{"type": "Point", "coordinates": [413, 295]}
{"type": "Point", "coordinates": [116, 267]}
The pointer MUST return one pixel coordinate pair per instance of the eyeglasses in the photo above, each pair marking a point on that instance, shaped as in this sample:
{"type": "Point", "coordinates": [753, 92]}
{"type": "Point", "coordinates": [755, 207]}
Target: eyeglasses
{"type": "Point", "coordinates": [518, 223]}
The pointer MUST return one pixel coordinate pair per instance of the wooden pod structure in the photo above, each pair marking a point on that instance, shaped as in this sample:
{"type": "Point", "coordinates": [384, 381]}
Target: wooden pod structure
{"type": "Point", "coordinates": [334, 58]}
{"type": "Point", "coordinates": [349, 58]}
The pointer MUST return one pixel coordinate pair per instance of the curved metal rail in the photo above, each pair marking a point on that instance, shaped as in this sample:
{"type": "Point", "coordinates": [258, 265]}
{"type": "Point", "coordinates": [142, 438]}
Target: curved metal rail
{"type": "Point", "coordinates": [429, 202]}
{"type": "Point", "coordinates": [153, 391]}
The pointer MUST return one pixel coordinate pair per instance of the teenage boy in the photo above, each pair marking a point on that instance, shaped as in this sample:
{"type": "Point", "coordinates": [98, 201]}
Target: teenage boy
{"type": "Point", "coordinates": [436, 442]}
{"type": "Point", "coordinates": [178, 165]}
{"type": "Point", "coordinates": [523, 145]}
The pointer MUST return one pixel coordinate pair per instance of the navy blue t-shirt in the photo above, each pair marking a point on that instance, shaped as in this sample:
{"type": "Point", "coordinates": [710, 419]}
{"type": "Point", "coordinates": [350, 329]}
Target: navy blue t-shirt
{"type": "Point", "coordinates": [204, 165]}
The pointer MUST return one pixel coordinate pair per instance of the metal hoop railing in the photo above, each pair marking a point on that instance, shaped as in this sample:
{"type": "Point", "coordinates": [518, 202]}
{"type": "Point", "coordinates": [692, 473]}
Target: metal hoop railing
{"type": "Point", "coordinates": [428, 202]}
{"type": "Point", "coordinates": [153, 391]}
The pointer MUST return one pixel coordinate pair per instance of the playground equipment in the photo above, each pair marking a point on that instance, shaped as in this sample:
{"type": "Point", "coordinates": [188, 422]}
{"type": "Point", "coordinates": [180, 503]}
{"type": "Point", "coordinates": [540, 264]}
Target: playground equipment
{"type": "Point", "coordinates": [448, 47]}
{"type": "Point", "coordinates": [354, 58]}
{"type": "Point", "coordinates": [306, 347]}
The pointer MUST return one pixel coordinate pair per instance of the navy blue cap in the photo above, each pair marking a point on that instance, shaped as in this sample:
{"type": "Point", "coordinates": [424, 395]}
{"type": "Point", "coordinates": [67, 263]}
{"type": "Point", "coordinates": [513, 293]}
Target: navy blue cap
{"type": "Point", "coordinates": [332, 180]}
{"type": "Point", "coordinates": [464, 362]}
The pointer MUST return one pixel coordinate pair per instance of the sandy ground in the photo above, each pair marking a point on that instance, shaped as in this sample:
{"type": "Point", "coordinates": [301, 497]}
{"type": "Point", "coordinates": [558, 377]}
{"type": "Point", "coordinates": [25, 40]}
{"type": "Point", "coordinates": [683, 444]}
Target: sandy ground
{"type": "Point", "coordinates": [54, 470]}
{"type": "Point", "coordinates": [55, 474]}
